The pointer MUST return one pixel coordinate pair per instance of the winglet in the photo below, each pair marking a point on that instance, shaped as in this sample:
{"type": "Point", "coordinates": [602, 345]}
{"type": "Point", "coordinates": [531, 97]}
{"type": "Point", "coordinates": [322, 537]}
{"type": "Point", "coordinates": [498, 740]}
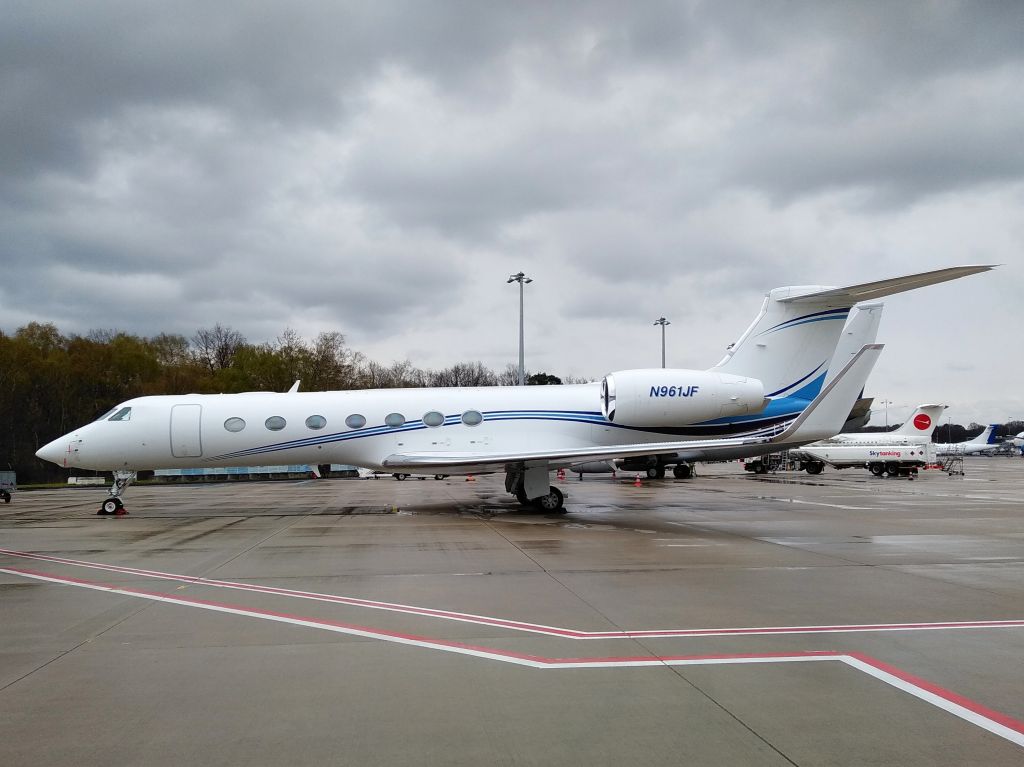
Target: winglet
{"type": "Point", "coordinates": [867, 291]}
{"type": "Point", "coordinates": [827, 413]}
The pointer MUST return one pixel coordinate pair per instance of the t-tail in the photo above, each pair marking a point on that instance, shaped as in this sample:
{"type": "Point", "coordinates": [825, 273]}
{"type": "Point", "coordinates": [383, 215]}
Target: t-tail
{"type": "Point", "coordinates": [921, 422]}
{"type": "Point", "coordinates": [796, 338]}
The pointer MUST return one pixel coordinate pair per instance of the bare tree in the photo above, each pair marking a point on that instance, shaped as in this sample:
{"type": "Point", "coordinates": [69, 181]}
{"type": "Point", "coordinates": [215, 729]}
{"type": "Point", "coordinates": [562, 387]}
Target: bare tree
{"type": "Point", "coordinates": [216, 347]}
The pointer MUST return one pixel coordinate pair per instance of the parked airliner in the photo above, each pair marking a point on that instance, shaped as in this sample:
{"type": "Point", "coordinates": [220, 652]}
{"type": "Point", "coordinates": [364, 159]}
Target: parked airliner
{"type": "Point", "coordinates": [984, 441]}
{"type": "Point", "coordinates": [878, 451]}
{"type": "Point", "coordinates": [768, 393]}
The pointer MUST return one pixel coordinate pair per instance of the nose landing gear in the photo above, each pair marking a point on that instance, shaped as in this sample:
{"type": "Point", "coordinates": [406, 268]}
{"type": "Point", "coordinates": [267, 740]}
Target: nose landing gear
{"type": "Point", "coordinates": [113, 506]}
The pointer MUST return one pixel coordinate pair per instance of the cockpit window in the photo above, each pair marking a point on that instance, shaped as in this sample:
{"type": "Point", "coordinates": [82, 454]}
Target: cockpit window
{"type": "Point", "coordinates": [124, 414]}
{"type": "Point", "coordinates": [107, 415]}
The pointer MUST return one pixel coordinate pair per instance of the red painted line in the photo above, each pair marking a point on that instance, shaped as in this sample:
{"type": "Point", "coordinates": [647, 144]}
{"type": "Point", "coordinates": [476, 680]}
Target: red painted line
{"type": "Point", "coordinates": [177, 598]}
{"type": "Point", "coordinates": [942, 692]}
{"type": "Point", "coordinates": [522, 625]}
{"type": "Point", "coordinates": [995, 722]}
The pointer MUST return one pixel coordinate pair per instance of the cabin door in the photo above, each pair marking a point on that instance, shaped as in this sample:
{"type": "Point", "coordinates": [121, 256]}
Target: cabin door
{"type": "Point", "coordinates": [186, 441]}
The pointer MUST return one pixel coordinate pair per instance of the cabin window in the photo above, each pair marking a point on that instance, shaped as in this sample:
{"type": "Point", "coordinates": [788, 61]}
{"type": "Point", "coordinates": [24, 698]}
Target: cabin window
{"type": "Point", "coordinates": [234, 424]}
{"type": "Point", "coordinates": [394, 420]}
{"type": "Point", "coordinates": [275, 423]}
{"type": "Point", "coordinates": [433, 418]}
{"type": "Point", "coordinates": [124, 414]}
{"type": "Point", "coordinates": [316, 422]}
{"type": "Point", "coordinates": [355, 421]}
{"type": "Point", "coordinates": [472, 417]}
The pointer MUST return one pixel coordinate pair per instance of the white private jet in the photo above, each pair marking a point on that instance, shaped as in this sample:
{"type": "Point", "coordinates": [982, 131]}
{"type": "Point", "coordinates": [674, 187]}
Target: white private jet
{"type": "Point", "coordinates": [768, 393]}
{"type": "Point", "coordinates": [984, 441]}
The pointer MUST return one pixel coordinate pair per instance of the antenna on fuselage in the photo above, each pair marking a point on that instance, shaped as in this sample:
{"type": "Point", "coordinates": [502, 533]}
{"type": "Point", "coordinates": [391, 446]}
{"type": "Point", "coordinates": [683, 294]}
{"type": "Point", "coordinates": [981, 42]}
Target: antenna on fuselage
{"type": "Point", "coordinates": [295, 387]}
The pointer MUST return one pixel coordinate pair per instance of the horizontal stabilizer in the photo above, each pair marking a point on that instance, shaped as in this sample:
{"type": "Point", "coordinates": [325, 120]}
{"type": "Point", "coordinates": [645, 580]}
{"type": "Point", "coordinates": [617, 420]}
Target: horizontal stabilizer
{"type": "Point", "coordinates": [867, 291]}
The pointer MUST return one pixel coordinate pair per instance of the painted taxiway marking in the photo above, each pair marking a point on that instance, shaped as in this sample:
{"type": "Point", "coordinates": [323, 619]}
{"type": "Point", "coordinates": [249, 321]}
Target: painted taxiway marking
{"type": "Point", "coordinates": [830, 505]}
{"type": "Point", "coordinates": [997, 723]}
{"type": "Point", "coordinates": [534, 628]}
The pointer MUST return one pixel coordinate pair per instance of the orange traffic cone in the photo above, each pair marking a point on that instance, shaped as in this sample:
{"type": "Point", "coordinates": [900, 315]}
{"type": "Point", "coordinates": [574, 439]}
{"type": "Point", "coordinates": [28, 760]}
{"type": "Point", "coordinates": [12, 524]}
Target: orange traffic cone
{"type": "Point", "coordinates": [470, 478]}
{"type": "Point", "coordinates": [636, 482]}
{"type": "Point", "coordinates": [561, 475]}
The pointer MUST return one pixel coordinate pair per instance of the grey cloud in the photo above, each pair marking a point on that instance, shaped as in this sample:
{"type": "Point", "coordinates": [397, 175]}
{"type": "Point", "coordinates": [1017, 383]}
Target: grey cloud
{"type": "Point", "coordinates": [371, 167]}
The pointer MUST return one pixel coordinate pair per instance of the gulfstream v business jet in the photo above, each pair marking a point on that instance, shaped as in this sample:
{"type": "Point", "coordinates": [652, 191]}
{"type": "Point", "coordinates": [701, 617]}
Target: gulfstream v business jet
{"type": "Point", "coordinates": [782, 384]}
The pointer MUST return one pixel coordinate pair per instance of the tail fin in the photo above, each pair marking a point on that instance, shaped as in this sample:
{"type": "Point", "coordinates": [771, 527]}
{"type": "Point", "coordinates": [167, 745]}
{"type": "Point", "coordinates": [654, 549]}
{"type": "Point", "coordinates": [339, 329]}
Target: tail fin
{"type": "Point", "coordinates": [791, 343]}
{"type": "Point", "coordinates": [988, 436]}
{"type": "Point", "coordinates": [861, 330]}
{"type": "Point", "coordinates": [921, 422]}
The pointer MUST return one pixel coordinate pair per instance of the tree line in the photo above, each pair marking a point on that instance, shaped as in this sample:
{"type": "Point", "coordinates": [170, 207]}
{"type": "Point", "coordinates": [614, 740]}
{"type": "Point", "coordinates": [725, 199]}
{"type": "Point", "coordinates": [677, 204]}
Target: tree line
{"type": "Point", "coordinates": [51, 383]}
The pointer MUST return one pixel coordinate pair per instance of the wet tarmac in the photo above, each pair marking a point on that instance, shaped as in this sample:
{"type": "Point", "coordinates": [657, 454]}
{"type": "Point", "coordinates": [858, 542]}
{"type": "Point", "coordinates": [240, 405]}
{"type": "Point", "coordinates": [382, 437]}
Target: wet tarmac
{"type": "Point", "coordinates": [727, 620]}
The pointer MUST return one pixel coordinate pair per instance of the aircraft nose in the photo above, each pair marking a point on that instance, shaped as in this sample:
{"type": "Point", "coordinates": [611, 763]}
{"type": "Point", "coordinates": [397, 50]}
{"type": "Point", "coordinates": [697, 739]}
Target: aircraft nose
{"type": "Point", "coordinates": [55, 452]}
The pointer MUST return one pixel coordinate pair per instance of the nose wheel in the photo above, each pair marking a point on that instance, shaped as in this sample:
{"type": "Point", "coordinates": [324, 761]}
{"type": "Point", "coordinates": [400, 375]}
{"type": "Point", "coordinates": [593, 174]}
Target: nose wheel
{"type": "Point", "coordinates": [113, 506]}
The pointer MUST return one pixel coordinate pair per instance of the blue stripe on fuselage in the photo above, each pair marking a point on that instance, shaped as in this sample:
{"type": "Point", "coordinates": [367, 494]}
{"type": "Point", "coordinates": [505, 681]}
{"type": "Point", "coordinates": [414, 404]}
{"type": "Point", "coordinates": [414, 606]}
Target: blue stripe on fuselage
{"type": "Point", "coordinates": [828, 314]}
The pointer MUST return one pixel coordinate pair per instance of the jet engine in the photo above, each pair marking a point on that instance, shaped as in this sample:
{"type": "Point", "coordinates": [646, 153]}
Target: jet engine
{"type": "Point", "coordinates": [667, 397]}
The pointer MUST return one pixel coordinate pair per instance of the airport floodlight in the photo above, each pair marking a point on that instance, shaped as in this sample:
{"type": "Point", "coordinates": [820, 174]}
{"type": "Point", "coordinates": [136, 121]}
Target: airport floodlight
{"type": "Point", "coordinates": [522, 279]}
{"type": "Point", "coordinates": [885, 404]}
{"type": "Point", "coordinates": [663, 322]}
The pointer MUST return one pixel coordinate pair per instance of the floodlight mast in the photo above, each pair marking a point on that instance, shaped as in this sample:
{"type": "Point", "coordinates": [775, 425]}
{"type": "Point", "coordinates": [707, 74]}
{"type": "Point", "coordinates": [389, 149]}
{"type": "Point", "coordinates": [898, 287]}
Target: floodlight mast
{"type": "Point", "coordinates": [663, 322]}
{"type": "Point", "coordinates": [521, 279]}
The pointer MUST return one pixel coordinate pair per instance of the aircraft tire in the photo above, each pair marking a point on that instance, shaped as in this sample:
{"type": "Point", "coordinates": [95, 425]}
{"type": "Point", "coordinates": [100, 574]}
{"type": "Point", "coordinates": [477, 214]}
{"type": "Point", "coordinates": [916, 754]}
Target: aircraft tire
{"type": "Point", "coordinates": [553, 502]}
{"type": "Point", "coordinates": [652, 473]}
{"type": "Point", "coordinates": [110, 507]}
{"type": "Point", "coordinates": [682, 471]}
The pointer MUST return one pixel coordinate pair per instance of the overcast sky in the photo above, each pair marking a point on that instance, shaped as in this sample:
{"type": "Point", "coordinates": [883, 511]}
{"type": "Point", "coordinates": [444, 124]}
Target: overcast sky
{"type": "Point", "coordinates": [381, 168]}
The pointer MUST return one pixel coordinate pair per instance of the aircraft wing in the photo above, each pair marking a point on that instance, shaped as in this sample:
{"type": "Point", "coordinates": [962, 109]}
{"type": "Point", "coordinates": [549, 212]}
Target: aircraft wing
{"type": "Point", "coordinates": [822, 418]}
{"type": "Point", "coordinates": [870, 290]}
{"type": "Point", "coordinates": [595, 453]}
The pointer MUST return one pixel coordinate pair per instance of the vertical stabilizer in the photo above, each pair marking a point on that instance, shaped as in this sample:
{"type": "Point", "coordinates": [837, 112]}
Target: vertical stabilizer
{"type": "Point", "coordinates": [861, 330]}
{"type": "Point", "coordinates": [921, 422]}
{"type": "Point", "coordinates": [789, 345]}
{"type": "Point", "coordinates": [987, 437]}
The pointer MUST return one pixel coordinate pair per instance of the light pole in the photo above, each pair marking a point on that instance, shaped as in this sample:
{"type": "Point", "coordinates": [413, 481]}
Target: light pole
{"type": "Point", "coordinates": [663, 322]}
{"type": "Point", "coordinates": [522, 279]}
{"type": "Point", "coordinates": [885, 404]}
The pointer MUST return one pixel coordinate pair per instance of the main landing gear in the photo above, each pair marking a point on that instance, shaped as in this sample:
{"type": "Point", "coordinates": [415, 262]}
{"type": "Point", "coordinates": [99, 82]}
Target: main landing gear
{"type": "Point", "coordinates": [527, 486]}
{"type": "Point", "coordinates": [113, 506]}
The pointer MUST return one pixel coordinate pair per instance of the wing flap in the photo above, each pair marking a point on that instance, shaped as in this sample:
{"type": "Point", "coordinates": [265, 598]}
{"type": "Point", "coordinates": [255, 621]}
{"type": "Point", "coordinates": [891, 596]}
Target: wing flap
{"type": "Point", "coordinates": [596, 453]}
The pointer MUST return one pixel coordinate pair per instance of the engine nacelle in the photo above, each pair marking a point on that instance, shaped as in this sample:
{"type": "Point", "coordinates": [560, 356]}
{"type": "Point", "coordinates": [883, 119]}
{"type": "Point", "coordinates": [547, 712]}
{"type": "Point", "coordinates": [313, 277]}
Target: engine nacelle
{"type": "Point", "coordinates": [664, 397]}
